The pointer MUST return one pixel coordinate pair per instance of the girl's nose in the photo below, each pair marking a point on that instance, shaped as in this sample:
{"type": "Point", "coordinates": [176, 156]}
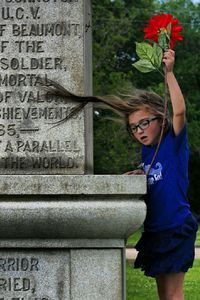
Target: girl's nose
{"type": "Point", "coordinates": [139, 130]}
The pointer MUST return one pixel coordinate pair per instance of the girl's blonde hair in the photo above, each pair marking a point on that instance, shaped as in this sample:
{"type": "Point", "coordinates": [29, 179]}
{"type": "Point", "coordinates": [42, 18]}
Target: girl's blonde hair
{"type": "Point", "coordinates": [150, 101]}
{"type": "Point", "coordinates": [123, 105]}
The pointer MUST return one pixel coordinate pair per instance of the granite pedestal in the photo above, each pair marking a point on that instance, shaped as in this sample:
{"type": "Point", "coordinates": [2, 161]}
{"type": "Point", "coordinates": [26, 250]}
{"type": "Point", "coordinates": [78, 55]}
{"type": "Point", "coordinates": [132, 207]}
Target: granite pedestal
{"type": "Point", "coordinates": [63, 237]}
{"type": "Point", "coordinates": [62, 232]}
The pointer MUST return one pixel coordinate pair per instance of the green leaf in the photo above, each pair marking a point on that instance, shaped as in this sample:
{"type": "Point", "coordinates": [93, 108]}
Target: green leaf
{"type": "Point", "coordinates": [144, 51]}
{"type": "Point", "coordinates": [151, 57]}
{"type": "Point", "coordinates": [157, 55]}
{"type": "Point", "coordinates": [144, 66]}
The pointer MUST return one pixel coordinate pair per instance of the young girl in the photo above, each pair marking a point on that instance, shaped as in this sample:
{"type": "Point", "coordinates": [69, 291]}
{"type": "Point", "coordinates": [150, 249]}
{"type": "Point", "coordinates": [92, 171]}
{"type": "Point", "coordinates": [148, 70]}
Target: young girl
{"type": "Point", "coordinates": [166, 248]}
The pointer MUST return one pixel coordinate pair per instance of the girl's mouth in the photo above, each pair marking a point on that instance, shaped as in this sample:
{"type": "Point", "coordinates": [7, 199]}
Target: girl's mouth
{"type": "Point", "coordinates": [143, 138]}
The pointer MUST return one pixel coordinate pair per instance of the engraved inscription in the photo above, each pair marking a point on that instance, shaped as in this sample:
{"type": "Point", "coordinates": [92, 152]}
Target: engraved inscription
{"type": "Point", "coordinates": [19, 264]}
{"type": "Point", "coordinates": [34, 276]}
{"type": "Point", "coordinates": [40, 40]}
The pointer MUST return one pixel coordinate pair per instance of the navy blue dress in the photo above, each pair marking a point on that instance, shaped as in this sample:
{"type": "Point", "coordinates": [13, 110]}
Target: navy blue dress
{"type": "Point", "coordinates": [167, 243]}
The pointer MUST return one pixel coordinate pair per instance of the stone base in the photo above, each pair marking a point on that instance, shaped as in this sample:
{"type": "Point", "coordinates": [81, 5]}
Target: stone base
{"type": "Point", "coordinates": [62, 237]}
{"type": "Point", "coordinates": [62, 273]}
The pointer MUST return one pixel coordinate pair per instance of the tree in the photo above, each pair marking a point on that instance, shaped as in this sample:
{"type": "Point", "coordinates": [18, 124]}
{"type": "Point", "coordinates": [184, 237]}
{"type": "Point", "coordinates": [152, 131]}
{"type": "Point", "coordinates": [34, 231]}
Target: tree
{"type": "Point", "coordinates": [116, 27]}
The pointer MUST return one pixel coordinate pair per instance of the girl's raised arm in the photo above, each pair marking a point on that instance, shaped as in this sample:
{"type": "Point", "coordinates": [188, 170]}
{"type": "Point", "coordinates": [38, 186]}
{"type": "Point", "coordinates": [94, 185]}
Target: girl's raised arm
{"type": "Point", "coordinates": [177, 99]}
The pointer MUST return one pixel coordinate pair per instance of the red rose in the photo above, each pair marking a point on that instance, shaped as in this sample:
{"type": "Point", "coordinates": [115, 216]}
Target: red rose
{"type": "Point", "coordinates": [155, 24]}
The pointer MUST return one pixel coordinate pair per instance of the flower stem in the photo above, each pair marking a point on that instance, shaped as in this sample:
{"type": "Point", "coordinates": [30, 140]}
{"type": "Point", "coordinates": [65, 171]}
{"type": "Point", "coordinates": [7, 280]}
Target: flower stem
{"type": "Point", "coordinates": [163, 123]}
{"type": "Point", "coordinates": [163, 75]}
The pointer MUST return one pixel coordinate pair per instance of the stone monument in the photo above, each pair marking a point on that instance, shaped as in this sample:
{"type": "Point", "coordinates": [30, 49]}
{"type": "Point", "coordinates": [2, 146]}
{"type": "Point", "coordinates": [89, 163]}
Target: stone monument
{"type": "Point", "coordinates": [62, 229]}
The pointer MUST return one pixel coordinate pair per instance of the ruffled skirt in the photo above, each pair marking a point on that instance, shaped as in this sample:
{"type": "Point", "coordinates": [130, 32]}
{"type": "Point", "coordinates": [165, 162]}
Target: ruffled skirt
{"type": "Point", "coordinates": [168, 251]}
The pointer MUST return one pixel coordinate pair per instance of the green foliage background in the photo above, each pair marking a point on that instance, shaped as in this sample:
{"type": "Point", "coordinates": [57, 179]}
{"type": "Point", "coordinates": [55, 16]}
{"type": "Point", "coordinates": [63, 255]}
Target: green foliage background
{"type": "Point", "coordinates": [117, 25]}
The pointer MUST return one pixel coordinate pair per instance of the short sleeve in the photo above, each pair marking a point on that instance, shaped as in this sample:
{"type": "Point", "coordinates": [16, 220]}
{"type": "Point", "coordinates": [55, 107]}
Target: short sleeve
{"type": "Point", "coordinates": [180, 140]}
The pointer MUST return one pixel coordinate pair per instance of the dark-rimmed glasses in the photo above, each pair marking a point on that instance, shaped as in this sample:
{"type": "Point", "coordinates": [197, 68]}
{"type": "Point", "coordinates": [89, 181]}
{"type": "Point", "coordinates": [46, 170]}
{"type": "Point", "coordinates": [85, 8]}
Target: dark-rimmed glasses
{"type": "Point", "coordinates": [143, 124]}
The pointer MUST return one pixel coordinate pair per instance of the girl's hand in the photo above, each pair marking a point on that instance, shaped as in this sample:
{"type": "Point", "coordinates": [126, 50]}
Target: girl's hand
{"type": "Point", "coordinates": [169, 59]}
{"type": "Point", "coordinates": [135, 172]}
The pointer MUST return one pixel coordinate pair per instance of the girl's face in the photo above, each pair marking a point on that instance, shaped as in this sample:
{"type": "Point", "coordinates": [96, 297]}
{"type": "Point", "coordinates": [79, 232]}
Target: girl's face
{"type": "Point", "coordinates": [145, 126]}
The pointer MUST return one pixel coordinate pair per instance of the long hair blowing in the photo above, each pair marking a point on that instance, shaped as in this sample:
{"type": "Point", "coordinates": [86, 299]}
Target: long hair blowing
{"type": "Point", "coordinates": [122, 106]}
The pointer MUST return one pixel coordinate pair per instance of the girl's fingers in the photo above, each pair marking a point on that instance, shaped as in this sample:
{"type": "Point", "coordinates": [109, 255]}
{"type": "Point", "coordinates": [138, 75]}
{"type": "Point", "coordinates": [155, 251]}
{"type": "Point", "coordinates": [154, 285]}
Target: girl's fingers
{"type": "Point", "coordinates": [169, 53]}
{"type": "Point", "coordinates": [168, 57]}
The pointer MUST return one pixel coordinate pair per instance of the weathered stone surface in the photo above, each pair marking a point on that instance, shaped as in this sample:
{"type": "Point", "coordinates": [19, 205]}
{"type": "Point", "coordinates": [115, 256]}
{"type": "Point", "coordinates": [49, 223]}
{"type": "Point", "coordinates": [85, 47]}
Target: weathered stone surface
{"type": "Point", "coordinates": [105, 269]}
{"type": "Point", "coordinates": [73, 185]}
{"type": "Point", "coordinates": [43, 39]}
{"type": "Point", "coordinates": [46, 202]}
{"type": "Point", "coordinates": [62, 243]}
{"type": "Point", "coordinates": [34, 275]}
{"type": "Point", "coordinates": [95, 214]}
{"type": "Point", "coordinates": [87, 274]}
{"type": "Point", "coordinates": [70, 217]}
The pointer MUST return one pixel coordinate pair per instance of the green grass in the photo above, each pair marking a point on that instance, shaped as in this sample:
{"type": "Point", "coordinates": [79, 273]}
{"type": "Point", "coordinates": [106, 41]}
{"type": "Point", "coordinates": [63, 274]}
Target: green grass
{"type": "Point", "coordinates": [140, 287]}
{"type": "Point", "coordinates": [132, 240]}
{"type": "Point", "coordinates": [197, 243]}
